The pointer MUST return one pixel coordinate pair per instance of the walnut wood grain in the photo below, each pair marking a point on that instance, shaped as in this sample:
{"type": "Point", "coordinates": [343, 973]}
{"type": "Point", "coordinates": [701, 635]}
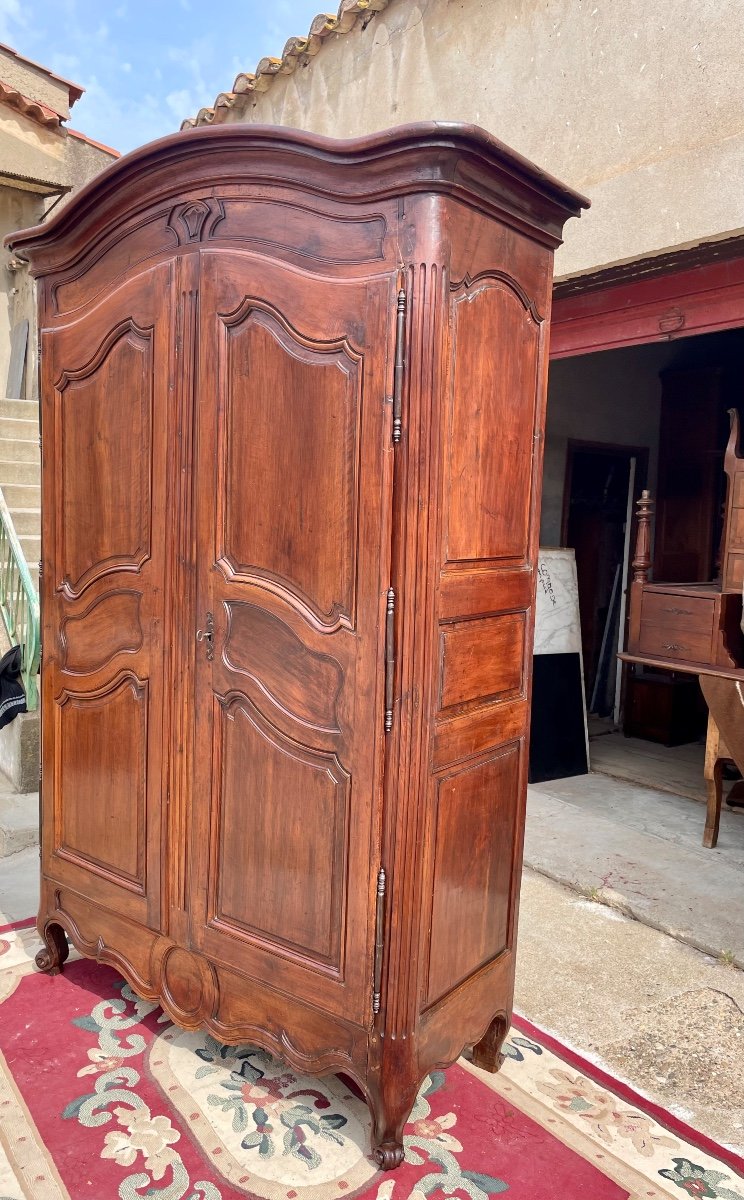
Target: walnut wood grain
{"type": "Point", "coordinates": [251, 441]}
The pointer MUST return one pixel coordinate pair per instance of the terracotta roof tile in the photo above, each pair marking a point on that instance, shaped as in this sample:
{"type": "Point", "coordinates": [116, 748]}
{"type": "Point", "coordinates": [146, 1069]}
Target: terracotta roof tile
{"type": "Point", "coordinates": [83, 137]}
{"type": "Point", "coordinates": [296, 51]}
{"type": "Point", "coordinates": [34, 109]}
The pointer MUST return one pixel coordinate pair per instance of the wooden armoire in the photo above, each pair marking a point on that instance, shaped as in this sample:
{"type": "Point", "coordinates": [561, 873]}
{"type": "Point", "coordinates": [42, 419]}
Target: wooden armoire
{"type": "Point", "coordinates": [293, 400]}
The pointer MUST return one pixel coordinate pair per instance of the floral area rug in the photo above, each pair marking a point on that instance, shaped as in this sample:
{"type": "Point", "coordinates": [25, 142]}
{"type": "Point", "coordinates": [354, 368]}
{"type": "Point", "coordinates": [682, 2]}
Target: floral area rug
{"type": "Point", "coordinates": [102, 1097]}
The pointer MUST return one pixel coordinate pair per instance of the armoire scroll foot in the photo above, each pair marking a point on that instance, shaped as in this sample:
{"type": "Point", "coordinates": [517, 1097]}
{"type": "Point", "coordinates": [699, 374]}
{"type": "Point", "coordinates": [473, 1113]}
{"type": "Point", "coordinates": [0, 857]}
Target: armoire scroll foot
{"type": "Point", "coordinates": [292, 407]}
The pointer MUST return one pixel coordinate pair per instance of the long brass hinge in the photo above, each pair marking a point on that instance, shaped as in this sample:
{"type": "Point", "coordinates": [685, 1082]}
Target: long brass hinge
{"type": "Point", "coordinates": [389, 658]}
{"type": "Point", "coordinates": [379, 940]}
{"type": "Point", "coordinates": [400, 363]}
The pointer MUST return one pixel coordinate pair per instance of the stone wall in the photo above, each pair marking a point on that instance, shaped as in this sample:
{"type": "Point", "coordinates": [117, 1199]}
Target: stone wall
{"type": "Point", "coordinates": [638, 104]}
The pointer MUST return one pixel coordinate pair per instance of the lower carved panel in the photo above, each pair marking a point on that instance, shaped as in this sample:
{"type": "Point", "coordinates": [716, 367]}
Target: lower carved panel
{"type": "Point", "coordinates": [283, 826]}
{"type": "Point", "coordinates": [101, 779]}
{"type": "Point", "coordinates": [197, 993]}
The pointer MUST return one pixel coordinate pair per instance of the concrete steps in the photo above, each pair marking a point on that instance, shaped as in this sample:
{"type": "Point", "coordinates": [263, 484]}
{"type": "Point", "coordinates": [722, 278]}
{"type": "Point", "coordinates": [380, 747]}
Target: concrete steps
{"type": "Point", "coordinates": [21, 495]}
{"type": "Point", "coordinates": [25, 409]}
{"type": "Point", "coordinates": [20, 475]}
{"type": "Point", "coordinates": [14, 471]}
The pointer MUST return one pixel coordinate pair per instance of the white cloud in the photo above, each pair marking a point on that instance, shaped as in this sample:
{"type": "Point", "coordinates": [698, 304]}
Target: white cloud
{"type": "Point", "coordinates": [182, 104]}
{"type": "Point", "coordinates": [12, 17]}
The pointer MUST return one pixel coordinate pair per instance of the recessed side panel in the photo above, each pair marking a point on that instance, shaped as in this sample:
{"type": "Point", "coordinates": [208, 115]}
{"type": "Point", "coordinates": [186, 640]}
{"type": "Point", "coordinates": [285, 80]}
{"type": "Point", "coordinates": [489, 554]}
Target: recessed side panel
{"type": "Point", "coordinates": [289, 450]}
{"type": "Point", "coordinates": [101, 820]}
{"type": "Point", "coordinates": [281, 841]}
{"type": "Point", "coordinates": [473, 829]}
{"type": "Point", "coordinates": [481, 661]}
{"type": "Point", "coordinates": [491, 419]}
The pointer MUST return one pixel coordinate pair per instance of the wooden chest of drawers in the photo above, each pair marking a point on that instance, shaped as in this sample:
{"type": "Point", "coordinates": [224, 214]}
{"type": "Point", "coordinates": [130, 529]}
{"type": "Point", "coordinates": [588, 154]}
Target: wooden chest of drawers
{"type": "Point", "coordinates": [685, 624]}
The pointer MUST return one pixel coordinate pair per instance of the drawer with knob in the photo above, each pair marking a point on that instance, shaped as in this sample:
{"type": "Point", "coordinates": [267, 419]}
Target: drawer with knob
{"type": "Point", "coordinates": [678, 627]}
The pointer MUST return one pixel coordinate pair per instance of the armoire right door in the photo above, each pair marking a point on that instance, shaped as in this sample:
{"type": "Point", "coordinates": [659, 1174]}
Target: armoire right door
{"type": "Point", "coordinates": [293, 543]}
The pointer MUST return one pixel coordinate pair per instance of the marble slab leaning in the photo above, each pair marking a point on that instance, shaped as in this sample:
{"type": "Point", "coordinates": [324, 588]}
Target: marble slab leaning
{"type": "Point", "coordinates": [557, 624]}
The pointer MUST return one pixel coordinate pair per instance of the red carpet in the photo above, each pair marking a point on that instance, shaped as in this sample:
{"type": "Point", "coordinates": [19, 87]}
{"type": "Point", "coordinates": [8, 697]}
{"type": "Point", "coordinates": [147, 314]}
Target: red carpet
{"type": "Point", "coordinates": [101, 1097]}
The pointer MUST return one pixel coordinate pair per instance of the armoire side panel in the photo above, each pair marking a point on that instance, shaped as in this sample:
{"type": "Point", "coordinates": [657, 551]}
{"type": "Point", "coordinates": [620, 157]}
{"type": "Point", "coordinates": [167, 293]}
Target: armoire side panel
{"type": "Point", "coordinates": [490, 443]}
{"type": "Point", "coordinates": [473, 821]}
{"type": "Point", "coordinates": [481, 661]}
{"type": "Point", "coordinates": [483, 623]}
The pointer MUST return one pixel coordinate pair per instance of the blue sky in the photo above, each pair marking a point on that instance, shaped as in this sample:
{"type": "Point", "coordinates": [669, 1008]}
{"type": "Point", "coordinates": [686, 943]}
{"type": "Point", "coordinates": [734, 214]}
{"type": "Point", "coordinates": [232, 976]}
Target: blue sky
{"type": "Point", "coordinates": [146, 66]}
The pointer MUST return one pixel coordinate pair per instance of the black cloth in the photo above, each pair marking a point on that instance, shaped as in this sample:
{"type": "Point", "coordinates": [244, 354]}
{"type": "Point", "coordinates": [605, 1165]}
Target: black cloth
{"type": "Point", "coordinates": [12, 694]}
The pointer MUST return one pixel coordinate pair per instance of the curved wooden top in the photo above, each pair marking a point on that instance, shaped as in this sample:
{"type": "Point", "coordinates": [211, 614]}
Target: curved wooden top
{"type": "Point", "coordinates": [459, 160]}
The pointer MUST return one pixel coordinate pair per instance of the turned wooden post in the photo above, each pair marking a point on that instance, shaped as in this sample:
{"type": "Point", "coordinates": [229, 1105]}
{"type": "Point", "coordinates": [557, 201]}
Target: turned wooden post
{"type": "Point", "coordinates": [732, 446]}
{"type": "Point", "coordinates": [641, 563]}
{"type": "Point", "coordinates": [730, 460]}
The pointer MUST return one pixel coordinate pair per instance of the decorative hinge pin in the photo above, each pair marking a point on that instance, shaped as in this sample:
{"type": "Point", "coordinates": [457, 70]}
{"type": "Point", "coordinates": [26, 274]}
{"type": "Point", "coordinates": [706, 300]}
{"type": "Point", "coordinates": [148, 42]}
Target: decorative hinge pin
{"type": "Point", "coordinates": [379, 940]}
{"type": "Point", "coordinates": [400, 362]}
{"type": "Point", "coordinates": [389, 658]}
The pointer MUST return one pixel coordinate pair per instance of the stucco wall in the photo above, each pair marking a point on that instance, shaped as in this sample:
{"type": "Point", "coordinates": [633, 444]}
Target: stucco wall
{"type": "Point", "coordinates": [83, 161]}
{"type": "Point", "coordinates": [34, 82]}
{"type": "Point", "coordinates": [51, 160]}
{"type": "Point", "coordinates": [638, 104]}
{"type": "Point", "coordinates": [17, 210]}
{"type": "Point", "coordinates": [29, 151]}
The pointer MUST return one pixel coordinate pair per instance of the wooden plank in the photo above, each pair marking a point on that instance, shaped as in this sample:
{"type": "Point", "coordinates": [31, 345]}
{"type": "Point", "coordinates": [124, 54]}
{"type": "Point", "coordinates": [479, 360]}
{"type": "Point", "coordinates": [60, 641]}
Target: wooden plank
{"type": "Point", "coordinates": [678, 304]}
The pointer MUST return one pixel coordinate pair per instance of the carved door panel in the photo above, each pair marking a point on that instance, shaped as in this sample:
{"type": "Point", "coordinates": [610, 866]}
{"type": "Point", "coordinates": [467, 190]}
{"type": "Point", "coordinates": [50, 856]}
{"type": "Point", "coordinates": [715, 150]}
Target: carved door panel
{"type": "Point", "coordinates": [102, 595]}
{"type": "Point", "coordinates": [293, 554]}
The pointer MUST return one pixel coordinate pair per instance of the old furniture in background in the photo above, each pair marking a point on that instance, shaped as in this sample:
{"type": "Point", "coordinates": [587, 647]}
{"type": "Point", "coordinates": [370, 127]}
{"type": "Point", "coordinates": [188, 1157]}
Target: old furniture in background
{"type": "Point", "coordinates": [697, 627]}
{"type": "Point", "coordinates": [292, 408]}
{"type": "Point", "coordinates": [687, 536]}
{"type": "Point", "coordinates": [689, 489]}
{"type": "Point", "coordinates": [724, 744]}
{"type": "Point", "coordinates": [681, 625]}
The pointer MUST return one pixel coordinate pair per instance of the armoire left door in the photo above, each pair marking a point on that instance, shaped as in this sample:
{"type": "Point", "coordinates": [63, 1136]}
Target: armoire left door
{"type": "Point", "coordinates": [104, 427]}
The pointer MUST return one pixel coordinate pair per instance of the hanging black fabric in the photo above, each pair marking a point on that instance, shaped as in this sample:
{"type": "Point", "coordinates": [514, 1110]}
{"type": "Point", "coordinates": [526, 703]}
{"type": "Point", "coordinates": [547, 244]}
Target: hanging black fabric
{"type": "Point", "coordinates": [12, 694]}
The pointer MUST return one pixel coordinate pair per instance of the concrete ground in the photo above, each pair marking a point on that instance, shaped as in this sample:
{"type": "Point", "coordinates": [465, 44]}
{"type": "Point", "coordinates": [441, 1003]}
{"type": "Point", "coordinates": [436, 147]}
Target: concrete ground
{"type": "Point", "coordinates": [650, 1009]}
{"type": "Point", "coordinates": [19, 885]}
{"type": "Point", "coordinates": [641, 851]}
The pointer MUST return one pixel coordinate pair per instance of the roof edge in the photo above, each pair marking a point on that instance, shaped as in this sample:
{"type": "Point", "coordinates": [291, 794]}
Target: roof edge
{"type": "Point", "coordinates": [83, 137]}
{"type": "Point", "coordinates": [74, 89]}
{"type": "Point", "coordinates": [296, 52]}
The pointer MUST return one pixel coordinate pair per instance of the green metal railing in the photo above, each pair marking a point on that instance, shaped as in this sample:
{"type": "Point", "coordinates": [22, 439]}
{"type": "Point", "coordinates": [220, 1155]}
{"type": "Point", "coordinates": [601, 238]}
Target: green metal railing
{"type": "Point", "coordinates": [19, 605]}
